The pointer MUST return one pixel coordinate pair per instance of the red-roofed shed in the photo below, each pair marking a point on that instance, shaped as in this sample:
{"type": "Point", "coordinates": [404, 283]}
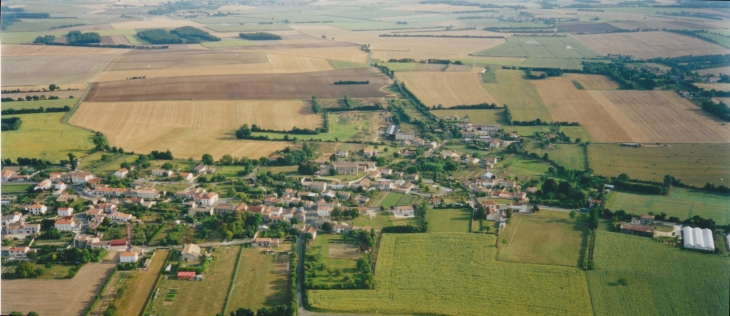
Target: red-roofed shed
{"type": "Point", "coordinates": [118, 242]}
{"type": "Point", "coordinates": [185, 275]}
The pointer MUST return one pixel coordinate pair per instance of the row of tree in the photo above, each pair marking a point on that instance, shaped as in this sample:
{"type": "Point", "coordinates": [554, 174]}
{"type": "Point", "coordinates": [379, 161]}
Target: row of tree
{"type": "Point", "coordinates": [38, 110]}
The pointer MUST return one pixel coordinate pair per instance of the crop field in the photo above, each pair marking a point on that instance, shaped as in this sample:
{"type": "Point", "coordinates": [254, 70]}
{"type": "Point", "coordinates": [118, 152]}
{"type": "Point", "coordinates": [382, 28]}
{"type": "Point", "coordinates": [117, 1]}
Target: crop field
{"type": "Point", "coordinates": [39, 136]}
{"type": "Point", "coordinates": [448, 220]}
{"type": "Point", "coordinates": [327, 50]}
{"type": "Point", "coordinates": [569, 156]}
{"type": "Point", "coordinates": [716, 71]}
{"type": "Point", "coordinates": [252, 87]}
{"type": "Point", "coordinates": [714, 86]}
{"type": "Point", "coordinates": [446, 88]}
{"type": "Point", "coordinates": [475, 116]}
{"type": "Point", "coordinates": [451, 273]}
{"type": "Point", "coordinates": [523, 168]}
{"type": "Point", "coordinates": [562, 52]}
{"type": "Point", "coordinates": [519, 94]}
{"type": "Point", "coordinates": [138, 286]}
{"type": "Point", "coordinates": [649, 44]}
{"type": "Point", "coordinates": [54, 297]}
{"type": "Point", "coordinates": [547, 237]}
{"type": "Point", "coordinates": [587, 27]}
{"type": "Point", "coordinates": [209, 125]}
{"type": "Point", "coordinates": [347, 266]}
{"type": "Point", "coordinates": [694, 164]}
{"type": "Point", "coordinates": [593, 82]}
{"type": "Point", "coordinates": [655, 287]}
{"type": "Point", "coordinates": [42, 50]}
{"type": "Point", "coordinates": [342, 127]}
{"type": "Point", "coordinates": [261, 281]}
{"type": "Point", "coordinates": [682, 203]}
{"type": "Point", "coordinates": [208, 63]}
{"type": "Point", "coordinates": [631, 116]}
{"type": "Point", "coordinates": [198, 297]}
{"type": "Point", "coordinates": [48, 69]}
{"type": "Point", "coordinates": [385, 48]}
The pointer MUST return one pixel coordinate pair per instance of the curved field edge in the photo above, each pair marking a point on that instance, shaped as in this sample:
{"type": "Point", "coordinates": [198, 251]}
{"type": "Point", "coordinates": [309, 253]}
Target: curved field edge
{"type": "Point", "coordinates": [456, 273]}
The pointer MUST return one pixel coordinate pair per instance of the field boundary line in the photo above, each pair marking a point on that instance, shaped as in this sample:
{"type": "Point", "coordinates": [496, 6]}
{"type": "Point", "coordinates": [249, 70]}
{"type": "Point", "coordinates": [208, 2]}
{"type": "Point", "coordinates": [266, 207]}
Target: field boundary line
{"type": "Point", "coordinates": [71, 112]}
{"type": "Point", "coordinates": [97, 298]}
{"type": "Point", "coordinates": [233, 280]}
{"type": "Point", "coordinates": [157, 283]}
{"type": "Point", "coordinates": [506, 250]}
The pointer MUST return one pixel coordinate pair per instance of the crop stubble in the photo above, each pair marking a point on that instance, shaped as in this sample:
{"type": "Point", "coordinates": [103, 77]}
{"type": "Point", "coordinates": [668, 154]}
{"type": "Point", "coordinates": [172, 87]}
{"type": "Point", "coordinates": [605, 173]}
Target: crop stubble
{"type": "Point", "coordinates": [649, 44]}
{"type": "Point", "coordinates": [446, 88]}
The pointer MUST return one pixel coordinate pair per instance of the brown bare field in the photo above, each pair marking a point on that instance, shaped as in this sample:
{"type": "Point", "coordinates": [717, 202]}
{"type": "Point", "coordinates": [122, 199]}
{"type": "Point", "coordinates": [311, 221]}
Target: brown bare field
{"type": "Point", "coordinates": [48, 69]}
{"type": "Point", "coordinates": [631, 116]}
{"type": "Point", "coordinates": [462, 68]}
{"type": "Point", "coordinates": [715, 86]}
{"type": "Point", "coordinates": [649, 44]}
{"type": "Point", "coordinates": [446, 88]}
{"type": "Point", "coordinates": [593, 82]}
{"type": "Point", "coordinates": [114, 39]}
{"type": "Point", "coordinates": [326, 50]}
{"type": "Point", "coordinates": [251, 87]}
{"type": "Point", "coordinates": [193, 128]}
{"type": "Point", "coordinates": [56, 297]}
{"type": "Point", "coordinates": [429, 67]}
{"type": "Point", "coordinates": [42, 50]}
{"type": "Point", "coordinates": [385, 48]}
{"type": "Point", "coordinates": [207, 63]}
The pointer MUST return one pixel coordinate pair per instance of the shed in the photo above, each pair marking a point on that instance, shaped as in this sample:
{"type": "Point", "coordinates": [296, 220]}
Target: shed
{"type": "Point", "coordinates": [185, 275]}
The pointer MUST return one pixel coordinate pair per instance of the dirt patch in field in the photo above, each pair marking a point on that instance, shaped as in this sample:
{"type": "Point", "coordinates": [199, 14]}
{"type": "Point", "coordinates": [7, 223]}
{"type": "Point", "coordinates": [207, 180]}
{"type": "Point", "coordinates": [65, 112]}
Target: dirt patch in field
{"type": "Point", "coordinates": [343, 251]}
{"type": "Point", "coordinates": [631, 116]}
{"type": "Point", "coordinates": [56, 297]}
{"type": "Point", "coordinates": [193, 128]}
{"type": "Point", "coordinates": [232, 87]}
{"type": "Point", "coordinates": [649, 44]}
{"type": "Point", "coordinates": [446, 88]}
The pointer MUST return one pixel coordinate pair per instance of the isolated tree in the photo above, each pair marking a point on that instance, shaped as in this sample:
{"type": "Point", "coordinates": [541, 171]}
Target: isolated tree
{"type": "Point", "coordinates": [623, 281]}
{"type": "Point", "coordinates": [624, 177]}
{"type": "Point", "coordinates": [327, 227]}
{"type": "Point", "coordinates": [32, 314]}
{"type": "Point", "coordinates": [480, 213]}
{"type": "Point", "coordinates": [208, 159]}
{"type": "Point", "coordinates": [73, 161]}
{"type": "Point", "coordinates": [572, 214]}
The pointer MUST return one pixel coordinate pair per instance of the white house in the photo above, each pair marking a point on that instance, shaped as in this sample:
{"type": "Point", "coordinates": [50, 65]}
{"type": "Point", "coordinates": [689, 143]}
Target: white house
{"type": "Point", "coordinates": [119, 217]}
{"type": "Point", "coordinates": [121, 173]}
{"type": "Point", "coordinates": [18, 252]}
{"type": "Point", "coordinates": [12, 218]}
{"type": "Point", "coordinates": [128, 257]}
{"type": "Point", "coordinates": [38, 209]}
{"type": "Point", "coordinates": [207, 199]}
{"type": "Point", "coordinates": [161, 173]}
{"type": "Point", "coordinates": [65, 211]}
{"type": "Point", "coordinates": [187, 176]}
{"type": "Point", "coordinates": [404, 211]}
{"type": "Point", "coordinates": [43, 185]}
{"type": "Point", "coordinates": [80, 177]}
{"type": "Point", "coordinates": [22, 229]}
{"type": "Point", "coordinates": [64, 225]}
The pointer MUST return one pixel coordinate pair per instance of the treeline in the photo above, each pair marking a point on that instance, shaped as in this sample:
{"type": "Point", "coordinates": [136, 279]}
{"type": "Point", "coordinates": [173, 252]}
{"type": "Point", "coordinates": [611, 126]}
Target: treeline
{"type": "Point", "coordinates": [185, 34]}
{"type": "Point", "coordinates": [539, 122]}
{"type": "Point", "coordinates": [703, 15]}
{"type": "Point", "coordinates": [345, 82]}
{"type": "Point", "coordinates": [443, 61]}
{"type": "Point", "coordinates": [38, 110]}
{"type": "Point", "coordinates": [720, 109]}
{"type": "Point", "coordinates": [10, 123]}
{"type": "Point", "coordinates": [464, 3]}
{"type": "Point", "coordinates": [25, 15]}
{"type": "Point", "coordinates": [545, 72]}
{"type": "Point", "coordinates": [638, 187]}
{"type": "Point", "coordinates": [29, 98]}
{"type": "Point", "coordinates": [402, 60]}
{"type": "Point", "coordinates": [387, 71]}
{"type": "Point", "coordinates": [158, 155]}
{"type": "Point", "coordinates": [487, 106]}
{"type": "Point", "coordinates": [76, 37]}
{"type": "Point", "coordinates": [439, 36]}
{"type": "Point", "coordinates": [22, 161]}
{"type": "Point", "coordinates": [45, 39]}
{"type": "Point", "coordinates": [259, 36]}
{"type": "Point", "coordinates": [626, 77]}
{"type": "Point", "coordinates": [170, 7]}
{"type": "Point", "coordinates": [694, 62]}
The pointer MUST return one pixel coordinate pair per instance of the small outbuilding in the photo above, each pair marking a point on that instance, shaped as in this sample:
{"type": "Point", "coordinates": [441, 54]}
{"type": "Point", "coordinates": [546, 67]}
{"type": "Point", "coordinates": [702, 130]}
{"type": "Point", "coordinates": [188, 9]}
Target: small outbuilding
{"type": "Point", "coordinates": [185, 275]}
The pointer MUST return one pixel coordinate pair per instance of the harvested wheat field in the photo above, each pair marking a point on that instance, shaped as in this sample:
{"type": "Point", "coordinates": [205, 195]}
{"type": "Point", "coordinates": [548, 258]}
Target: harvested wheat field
{"type": "Point", "coordinates": [207, 63]}
{"type": "Point", "coordinates": [45, 70]}
{"type": "Point", "coordinates": [326, 50]}
{"type": "Point", "coordinates": [645, 45]}
{"type": "Point", "coordinates": [593, 82]}
{"type": "Point", "coordinates": [716, 71]}
{"type": "Point", "coordinates": [56, 297]}
{"type": "Point", "coordinates": [250, 87]}
{"type": "Point", "coordinates": [446, 88]}
{"type": "Point", "coordinates": [155, 23]}
{"type": "Point", "coordinates": [631, 116]}
{"type": "Point", "coordinates": [429, 67]}
{"type": "Point", "coordinates": [385, 48]}
{"type": "Point", "coordinates": [193, 128]}
{"type": "Point", "coordinates": [42, 50]}
{"type": "Point", "coordinates": [714, 86]}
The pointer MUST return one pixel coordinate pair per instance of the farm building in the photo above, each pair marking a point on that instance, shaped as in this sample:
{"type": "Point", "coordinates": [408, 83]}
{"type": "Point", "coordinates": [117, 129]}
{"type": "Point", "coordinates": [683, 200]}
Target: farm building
{"type": "Point", "coordinates": [191, 252]}
{"type": "Point", "coordinates": [185, 275]}
{"type": "Point", "coordinates": [697, 238]}
{"type": "Point", "coordinates": [638, 229]}
{"type": "Point", "coordinates": [265, 242]}
{"type": "Point", "coordinates": [128, 257]}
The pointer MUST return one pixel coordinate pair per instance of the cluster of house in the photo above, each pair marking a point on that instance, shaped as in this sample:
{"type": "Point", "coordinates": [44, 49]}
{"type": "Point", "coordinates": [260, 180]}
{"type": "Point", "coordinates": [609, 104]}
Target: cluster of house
{"type": "Point", "coordinates": [373, 178]}
{"type": "Point", "coordinates": [498, 212]}
{"type": "Point", "coordinates": [487, 134]}
{"type": "Point", "coordinates": [408, 139]}
{"type": "Point", "coordinates": [488, 184]}
{"type": "Point", "coordinates": [642, 225]}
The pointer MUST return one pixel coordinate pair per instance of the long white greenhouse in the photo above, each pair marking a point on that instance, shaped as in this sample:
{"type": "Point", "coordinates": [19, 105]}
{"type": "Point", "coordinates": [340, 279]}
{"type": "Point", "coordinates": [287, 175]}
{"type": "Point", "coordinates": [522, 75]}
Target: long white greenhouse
{"type": "Point", "coordinates": [697, 238]}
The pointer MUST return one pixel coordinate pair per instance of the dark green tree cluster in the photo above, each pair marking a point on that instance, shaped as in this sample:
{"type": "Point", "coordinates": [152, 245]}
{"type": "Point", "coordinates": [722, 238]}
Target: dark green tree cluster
{"type": "Point", "coordinates": [11, 124]}
{"type": "Point", "coordinates": [194, 35]}
{"type": "Point", "coordinates": [259, 36]}
{"type": "Point", "coordinates": [38, 110]}
{"type": "Point", "coordinates": [45, 39]}
{"type": "Point", "coordinates": [76, 37]}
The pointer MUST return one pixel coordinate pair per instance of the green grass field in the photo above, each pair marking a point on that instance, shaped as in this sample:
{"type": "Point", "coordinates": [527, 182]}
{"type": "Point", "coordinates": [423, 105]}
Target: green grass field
{"type": "Point", "coordinates": [475, 116]}
{"type": "Point", "coordinates": [340, 64]}
{"type": "Point", "coordinates": [661, 280]}
{"type": "Point", "coordinates": [519, 94]}
{"type": "Point", "coordinates": [335, 269]}
{"type": "Point", "coordinates": [682, 203]}
{"type": "Point", "coordinates": [17, 105]}
{"type": "Point", "coordinates": [399, 66]}
{"type": "Point", "coordinates": [381, 220]}
{"type": "Point", "coordinates": [15, 188]}
{"type": "Point", "coordinates": [44, 136]}
{"type": "Point", "coordinates": [448, 220]}
{"type": "Point", "coordinates": [694, 164]}
{"type": "Point", "coordinates": [522, 168]}
{"type": "Point", "coordinates": [261, 281]}
{"type": "Point", "coordinates": [547, 237]}
{"type": "Point", "coordinates": [562, 52]}
{"type": "Point", "coordinates": [341, 129]}
{"type": "Point", "coordinates": [198, 297]}
{"type": "Point", "coordinates": [456, 274]}
{"type": "Point", "coordinates": [391, 199]}
{"type": "Point", "coordinates": [569, 156]}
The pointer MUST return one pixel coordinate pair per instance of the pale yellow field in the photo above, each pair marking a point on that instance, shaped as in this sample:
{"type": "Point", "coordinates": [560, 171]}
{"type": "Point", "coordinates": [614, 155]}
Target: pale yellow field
{"type": "Point", "coordinates": [593, 82]}
{"type": "Point", "coordinates": [42, 50]}
{"type": "Point", "coordinates": [723, 100]}
{"type": "Point", "coordinates": [385, 48]}
{"type": "Point", "coordinates": [716, 71]}
{"type": "Point", "coordinates": [649, 44]}
{"type": "Point", "coordinates": [351, 54]}
{"type": "Point", "coordinates": [193, 128]}
{"type": "Point", "coordinates": [446, 88]}
{"type": "Point", "coordinates": [275, 63]}
{"type": "Point", "coordinates": [154, 23]}
{"type": "Point", "coordinates": [631, 116]}
{"type": "Point", "coordinates": [716, 86]}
